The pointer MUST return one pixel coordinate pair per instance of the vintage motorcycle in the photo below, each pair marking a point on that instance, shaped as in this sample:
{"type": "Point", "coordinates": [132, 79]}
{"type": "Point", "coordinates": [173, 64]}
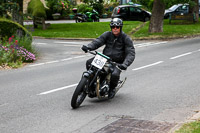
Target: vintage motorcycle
{"type": "Point", "coordinates": [95, 82]}
{"type": "Point", "coordinates": [87, 17]}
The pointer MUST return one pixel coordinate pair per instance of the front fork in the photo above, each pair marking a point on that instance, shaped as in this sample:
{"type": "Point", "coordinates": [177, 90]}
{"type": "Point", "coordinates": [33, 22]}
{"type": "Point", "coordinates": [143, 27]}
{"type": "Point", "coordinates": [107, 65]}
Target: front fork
{"type": "Point", "coordinates": [91, 76]}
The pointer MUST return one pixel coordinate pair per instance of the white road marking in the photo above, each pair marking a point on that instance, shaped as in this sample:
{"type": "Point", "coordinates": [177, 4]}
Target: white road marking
{"type": "Point", "coordinates": [37, 64]}
{"type": "Point", "coordinates": [66, 59]}
{"type": "Point", "coordinates": [58, 89]}
{"type": "Point", "coordinates": [3, 104]}
{"type": "Point", "coordinates": [72, 45]}
{"type": "Point", "coordinates": [178, 56]}
{"type": "Point", "coordinates": [56, 61]}
{"type": "Point", "coordinates": [156, 63]}
{"type": "Point", "coordinates": [149, 44]}
{"type": "Point", "coordinates": [52, 62]}
{"type": "Point", "coordinates": [41, 43]}
{"type": "Point", "coordinates": [79, 56]}
{"type": "Point", "coordinates": [70, 42]}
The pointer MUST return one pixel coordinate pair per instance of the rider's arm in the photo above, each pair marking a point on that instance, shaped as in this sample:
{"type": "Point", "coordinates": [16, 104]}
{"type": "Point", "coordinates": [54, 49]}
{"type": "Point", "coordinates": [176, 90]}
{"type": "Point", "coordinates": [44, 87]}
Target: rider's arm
{"type": "Point", "coordinates": [129, 52]}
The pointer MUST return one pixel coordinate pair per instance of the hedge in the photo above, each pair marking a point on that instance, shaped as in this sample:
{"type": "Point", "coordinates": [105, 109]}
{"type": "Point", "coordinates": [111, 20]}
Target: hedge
{"type": "Point", "coordinates": [9, 28]}
{"type": "Point", "coordinates": [36, 8]}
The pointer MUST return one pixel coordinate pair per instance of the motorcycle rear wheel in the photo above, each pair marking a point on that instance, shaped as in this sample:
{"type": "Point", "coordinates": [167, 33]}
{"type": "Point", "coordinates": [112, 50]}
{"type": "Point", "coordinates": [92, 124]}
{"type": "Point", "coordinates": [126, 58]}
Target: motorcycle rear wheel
{"type": "Point", "coordinates": [79, 94]}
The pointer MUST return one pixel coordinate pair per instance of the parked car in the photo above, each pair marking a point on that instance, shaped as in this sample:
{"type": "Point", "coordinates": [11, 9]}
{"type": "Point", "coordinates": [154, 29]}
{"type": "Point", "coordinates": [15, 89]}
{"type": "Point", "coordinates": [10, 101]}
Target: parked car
{"type": "Point", "coordinates": [130, 12]}
{"type": "Point", "coordinates": [177, 9]}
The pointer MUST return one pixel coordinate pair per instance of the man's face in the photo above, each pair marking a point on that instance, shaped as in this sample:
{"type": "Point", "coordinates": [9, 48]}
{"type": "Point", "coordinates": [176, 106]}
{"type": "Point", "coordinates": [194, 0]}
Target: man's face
{"type": "Point", "coordinates": [116, 30]}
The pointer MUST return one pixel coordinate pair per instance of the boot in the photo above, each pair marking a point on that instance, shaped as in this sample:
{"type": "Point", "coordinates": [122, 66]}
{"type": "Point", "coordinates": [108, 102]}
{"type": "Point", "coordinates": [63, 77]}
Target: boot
{"type": "Point", "coordinates": [111, 93]}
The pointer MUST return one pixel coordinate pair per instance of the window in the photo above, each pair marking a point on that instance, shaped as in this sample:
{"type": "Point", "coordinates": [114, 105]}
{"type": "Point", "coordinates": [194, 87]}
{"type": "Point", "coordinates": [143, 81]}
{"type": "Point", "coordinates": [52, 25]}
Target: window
{"type": "Point", "coordinates": [124, 9]}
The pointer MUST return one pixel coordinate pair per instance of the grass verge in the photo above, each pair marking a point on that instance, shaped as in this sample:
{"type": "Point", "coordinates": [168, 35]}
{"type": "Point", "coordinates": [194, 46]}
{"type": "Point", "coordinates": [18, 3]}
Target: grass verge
{"type": "Point", "coordinates": [135, 29]}
{"type": "Point", "coordinates": [177, 29]}
{"type": "Point", "coordinates": [80, 30]}
{"type": "Point", "coordinates": [192, 127]}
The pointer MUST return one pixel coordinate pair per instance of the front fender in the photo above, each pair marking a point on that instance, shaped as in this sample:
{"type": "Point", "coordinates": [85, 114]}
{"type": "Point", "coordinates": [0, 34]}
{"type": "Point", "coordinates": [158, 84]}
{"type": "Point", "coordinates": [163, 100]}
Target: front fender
{"type": "Point", "coordinates": [87, 74]}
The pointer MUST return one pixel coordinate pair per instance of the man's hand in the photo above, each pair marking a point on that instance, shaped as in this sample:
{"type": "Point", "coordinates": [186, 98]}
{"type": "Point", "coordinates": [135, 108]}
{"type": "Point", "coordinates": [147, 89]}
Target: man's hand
{"type": "Point", "coordinates": [122, 66]}
{"type": "Point", "coordinates": [85, 48]}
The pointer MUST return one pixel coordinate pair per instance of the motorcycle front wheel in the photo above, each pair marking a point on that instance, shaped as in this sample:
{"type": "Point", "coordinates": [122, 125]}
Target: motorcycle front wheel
{"type": "Point", "coordinates": [79, 94]}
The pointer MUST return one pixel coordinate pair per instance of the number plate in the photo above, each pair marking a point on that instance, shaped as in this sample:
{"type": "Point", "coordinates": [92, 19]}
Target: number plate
{"type": "Point", "coordinates": [99, 61]}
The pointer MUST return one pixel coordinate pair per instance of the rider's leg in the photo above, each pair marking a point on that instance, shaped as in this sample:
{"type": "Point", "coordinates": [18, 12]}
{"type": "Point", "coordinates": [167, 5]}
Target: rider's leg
{"type": "Point", "coordinates": [113, 82]}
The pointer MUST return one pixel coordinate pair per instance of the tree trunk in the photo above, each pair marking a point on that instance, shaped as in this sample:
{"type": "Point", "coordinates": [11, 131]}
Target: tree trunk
{"type": "Point", "coordinates": [195, 9]}
{"type": "Point", "coordinates": [17, 14]}
{"type": "Point", "coordinates": [156, 22]}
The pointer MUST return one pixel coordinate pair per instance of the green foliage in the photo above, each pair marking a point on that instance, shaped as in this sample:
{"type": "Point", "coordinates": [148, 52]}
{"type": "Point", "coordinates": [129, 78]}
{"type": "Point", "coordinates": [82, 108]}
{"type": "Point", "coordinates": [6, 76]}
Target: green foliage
{"type": "Point", "coordinates": [169, 31]}
{"type": "Point", "coordinates": [83, 8]}
{"type": "Point", "coordinates": [75, 30]}
{"type": "Point", "coordinates": [7, 6]}
{"type": "Point", "coordinates": [168, 3]}
{"type": "Point", "coordinates": [98, 6]}
{"type": "Point", "coordinates": [193, 127]}
{"type": "Point", "coordinates": [58, 6]}
{"type": "Point", "coordinates": [147, 4]}
{"type": "Point", "coordinates": [9, 28]}
{"type": "Point", "coordinates": [13, 54]}
{"type": "Point", "coordinates": [36, 8]}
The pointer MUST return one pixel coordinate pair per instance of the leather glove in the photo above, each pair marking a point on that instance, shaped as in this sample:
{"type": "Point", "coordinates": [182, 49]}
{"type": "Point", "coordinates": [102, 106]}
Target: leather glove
{"type": "Point", "coordinates": [122, 66]}
{"type": "Point", "coordinates": [85, 48]}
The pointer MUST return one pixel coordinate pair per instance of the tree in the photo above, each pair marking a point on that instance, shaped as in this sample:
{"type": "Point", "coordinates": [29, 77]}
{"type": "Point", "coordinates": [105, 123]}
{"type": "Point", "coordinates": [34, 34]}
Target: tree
{"type": "Point", "coordinates": [194, 8]}
{"type": "Point", "coordinates": [15, 7]}
{"type": "Point", "coordinates": [17, 15]}
{"type": "Point", "coordinates": [156, 22]}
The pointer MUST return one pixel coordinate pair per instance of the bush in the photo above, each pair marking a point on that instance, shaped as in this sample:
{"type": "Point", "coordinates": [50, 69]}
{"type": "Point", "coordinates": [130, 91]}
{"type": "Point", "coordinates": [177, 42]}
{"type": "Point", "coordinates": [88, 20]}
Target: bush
{"type": "Point", "coordinates": [36, 8]}
{"type": "Point", "coordinates": [83, 8]}
{"type": "Point", "coordinates": [9, 28]}
{"type": "Point", "coordinates": [98, 7]}
{"type": "Point", "coordinates": [58, 6]}
{"type": "Point", "coordinates": [13, 55]}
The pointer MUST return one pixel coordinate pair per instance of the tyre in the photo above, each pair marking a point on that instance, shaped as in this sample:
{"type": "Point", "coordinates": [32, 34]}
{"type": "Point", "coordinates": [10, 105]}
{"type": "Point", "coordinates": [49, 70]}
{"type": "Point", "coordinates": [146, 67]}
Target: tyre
{"type": "Point", "coordinates": [79, 94]}
{"type": "Point", "coordinates": [78, 21]}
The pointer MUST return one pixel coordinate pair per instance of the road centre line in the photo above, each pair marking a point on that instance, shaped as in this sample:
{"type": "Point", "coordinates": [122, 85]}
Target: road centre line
{"type": "Point", "coordinates": [178, 56]}
{"type": "Point", "coordinates": [149, 44]}
{"type": "Point", "coordinates": [72, 45]}
{"type": "Point", "coordinates": [58, 89]}
{"type": "Point", "coordinates": [41, 43]}
{"type": "Point", "coordinates": [70, 42]}
{"type": "Point", "coordinates": [37, 64]}
{"type": "Point", "coordinates": [79, 56]}
{"type": "Point", "coordinates": [153, 64]}
{"type": "Point", "coordinates": [66, 59]}
{"type": "Point", "coordinates": [52, 62]}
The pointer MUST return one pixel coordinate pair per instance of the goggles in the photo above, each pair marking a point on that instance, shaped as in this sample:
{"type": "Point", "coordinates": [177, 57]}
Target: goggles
{"type": "Point", "coordinates": [113, 27]}
{"type": "Point", "coordinates": [114, 24]}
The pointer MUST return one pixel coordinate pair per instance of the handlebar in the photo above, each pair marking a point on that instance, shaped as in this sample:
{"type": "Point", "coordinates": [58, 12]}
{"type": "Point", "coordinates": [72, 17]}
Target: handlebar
{"type": "Point", "coordinates": [109, 59]}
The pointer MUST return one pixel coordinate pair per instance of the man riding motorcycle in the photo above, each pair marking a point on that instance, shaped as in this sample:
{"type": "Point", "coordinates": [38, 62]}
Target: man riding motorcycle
{"type": "Point", "coordinates": [118, 46]}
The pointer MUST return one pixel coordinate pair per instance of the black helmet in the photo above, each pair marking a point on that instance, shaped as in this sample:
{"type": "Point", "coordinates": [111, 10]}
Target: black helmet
{"type": "Point", "coordinates": [116, 22]}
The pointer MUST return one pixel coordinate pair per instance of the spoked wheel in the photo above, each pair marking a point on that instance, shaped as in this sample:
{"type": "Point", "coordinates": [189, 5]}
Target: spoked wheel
{"type": "Point", "coordinates": [78, 20]}
{"type": "Point", "coordinates": [79, 94]}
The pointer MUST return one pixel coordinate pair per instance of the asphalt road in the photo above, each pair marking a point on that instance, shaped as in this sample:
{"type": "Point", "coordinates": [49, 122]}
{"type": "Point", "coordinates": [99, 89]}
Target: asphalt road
{"type": "Point", "coordinates": [65, 21]}
{"type": "Point", "coordinates": [162, 85]}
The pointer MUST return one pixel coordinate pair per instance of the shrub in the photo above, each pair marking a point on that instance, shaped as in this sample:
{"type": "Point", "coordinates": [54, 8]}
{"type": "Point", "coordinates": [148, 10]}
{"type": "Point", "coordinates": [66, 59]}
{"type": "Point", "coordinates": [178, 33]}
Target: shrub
{"type": "Point", "coordinates": [58, 6]}
{"type": "Point", "coordinates": [9, 28]}
{"type": "Point", "coordinates": [36, 8]}
{"type": "Point", "coordinates": [83, 8]}
{"type": "Point", "coordinates": [13, 55]}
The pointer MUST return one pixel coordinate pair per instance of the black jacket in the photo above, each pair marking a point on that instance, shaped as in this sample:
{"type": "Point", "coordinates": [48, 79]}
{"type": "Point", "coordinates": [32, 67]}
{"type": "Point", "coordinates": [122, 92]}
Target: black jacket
{"type": "Point", "coordinates": [120, 49]}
